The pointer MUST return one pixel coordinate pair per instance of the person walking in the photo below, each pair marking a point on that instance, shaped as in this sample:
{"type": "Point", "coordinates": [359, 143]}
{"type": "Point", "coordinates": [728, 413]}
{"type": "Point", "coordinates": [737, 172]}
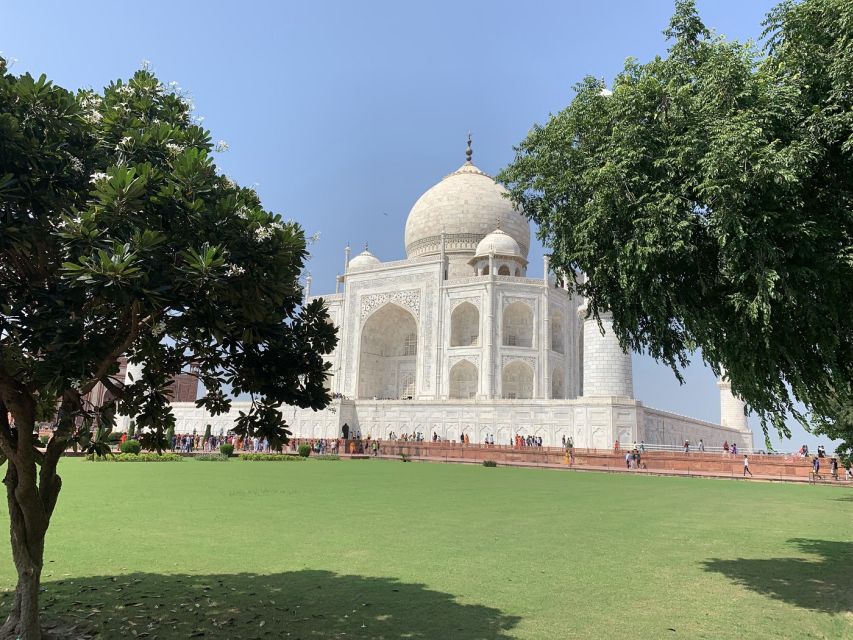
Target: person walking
{"type": "Point", "coordinates": [746, 466]}
{"type": "Point", "coordinates": [701, 445]}
{"type": "Point", "coordinates": [816, 468]}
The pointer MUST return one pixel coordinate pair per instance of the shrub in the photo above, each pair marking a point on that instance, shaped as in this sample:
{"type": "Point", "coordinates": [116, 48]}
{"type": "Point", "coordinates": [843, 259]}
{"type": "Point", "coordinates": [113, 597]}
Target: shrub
{"type": "Point", "coordinates": [270, 457]}
{"type": "Point", "coordinates": [304, 450]}
{"type": "Point", "coordinates": [131, 446]}
{"type": "Point", "coordinates": [226, 450]}
{"type": "Point", "coordinates": [207, 430]}
{"type": "Point", "coordinates": [405, 457]}
{"type": "Point", "coordinates": [133, 457]}
{"type": "Point", "coordinates": [489, 463]}
{"type": "Point", "coordinates": [44, 439]}
{"type": "Point", "coordinates": [131, 429]}
{"type": "Point", "coordinates": [327, 456]}
{"type": "Point", "coordinates": [211, 457]}
{"type": "Point", "coordinates": [114, 436]}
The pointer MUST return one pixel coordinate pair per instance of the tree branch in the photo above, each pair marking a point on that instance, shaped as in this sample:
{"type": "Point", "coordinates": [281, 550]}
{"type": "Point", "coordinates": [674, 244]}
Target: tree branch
{"type": "Point", "coordinates": [117, 351]}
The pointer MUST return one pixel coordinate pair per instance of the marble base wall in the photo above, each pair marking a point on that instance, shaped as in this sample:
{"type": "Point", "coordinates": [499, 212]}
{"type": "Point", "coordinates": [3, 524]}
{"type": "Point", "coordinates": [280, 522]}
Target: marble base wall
{"type": "Point", "coordinates": [593, 423]}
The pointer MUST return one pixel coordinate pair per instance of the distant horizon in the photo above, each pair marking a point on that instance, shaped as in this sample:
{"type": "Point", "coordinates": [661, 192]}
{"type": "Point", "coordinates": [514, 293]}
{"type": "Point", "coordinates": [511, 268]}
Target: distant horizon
{"type": "Point", "coordinates": [341, 116]}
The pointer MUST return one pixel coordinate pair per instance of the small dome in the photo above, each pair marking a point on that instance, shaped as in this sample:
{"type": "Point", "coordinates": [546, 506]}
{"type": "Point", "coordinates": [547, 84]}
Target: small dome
{"type": "Point", "coordinates": [499, 243]}
{"type": "Point", "coordinates": [364, 260]}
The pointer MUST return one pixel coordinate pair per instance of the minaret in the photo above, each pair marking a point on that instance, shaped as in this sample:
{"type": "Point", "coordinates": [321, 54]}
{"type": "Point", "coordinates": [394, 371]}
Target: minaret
{"type": "Point", "coordinates": [733, 410]}
{"type": "Point", "coordinates": [607, 369]}
{"type": "Point", "coordinates": [308, 281]}
{"type": "Point", "coordinates": [346, 257]}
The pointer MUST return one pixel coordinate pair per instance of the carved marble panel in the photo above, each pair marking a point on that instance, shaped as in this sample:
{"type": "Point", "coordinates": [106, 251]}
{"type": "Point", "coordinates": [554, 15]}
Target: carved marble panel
{"type": "Point", "coordinates": [410, 300]}
{"type": "Point", "coordinates": [455, 302]}
{"type": "Point", "coordinates": [531, 360]}
{"type": "Point", "coordinates": [530, 302]}
{"type": "Point", "coordinates": [473, 359]}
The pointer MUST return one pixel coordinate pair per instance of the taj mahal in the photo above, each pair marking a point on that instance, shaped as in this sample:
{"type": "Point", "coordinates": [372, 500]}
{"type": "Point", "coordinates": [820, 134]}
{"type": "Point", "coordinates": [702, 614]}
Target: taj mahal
{"type": "Point", "coordinates": [459, 338]}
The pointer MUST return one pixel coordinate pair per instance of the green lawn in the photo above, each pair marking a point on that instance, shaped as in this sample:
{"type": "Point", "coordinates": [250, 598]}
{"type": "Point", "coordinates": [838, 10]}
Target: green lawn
{"type": "Point", "coordinates": [382, 549]}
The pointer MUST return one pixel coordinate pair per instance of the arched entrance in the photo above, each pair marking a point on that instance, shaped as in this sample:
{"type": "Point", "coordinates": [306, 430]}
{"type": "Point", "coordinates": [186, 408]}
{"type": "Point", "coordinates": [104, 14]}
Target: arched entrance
{"type": "Point", "coordinates": [465, 326]}
{"type": "Point", "coordinates": [463, 380]}
{"type": "Point", "coordinates": [388, 356]}
{"type": "Point", "coordinates": [517, 381]}
{"type": "Point", "coordinates": [518, 325]}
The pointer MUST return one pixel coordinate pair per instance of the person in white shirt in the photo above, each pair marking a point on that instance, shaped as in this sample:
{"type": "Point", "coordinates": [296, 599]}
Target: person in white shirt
{"type": "Point", "coordinates": [746, 466]}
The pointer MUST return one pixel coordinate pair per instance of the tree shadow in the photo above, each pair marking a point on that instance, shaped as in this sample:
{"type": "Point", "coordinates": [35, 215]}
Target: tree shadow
{"type": "Point", "coordinates": [298, 604]}
{"type": "Point", "coordinates": [822, 584]}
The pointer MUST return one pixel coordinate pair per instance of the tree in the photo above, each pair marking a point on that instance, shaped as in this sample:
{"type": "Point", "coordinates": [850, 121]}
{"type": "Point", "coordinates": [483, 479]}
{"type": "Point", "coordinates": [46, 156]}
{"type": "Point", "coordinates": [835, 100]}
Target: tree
{"type": "Point", "coordinates": [120, 237]}
{"type": "Point", "coordinates": [709, 199]}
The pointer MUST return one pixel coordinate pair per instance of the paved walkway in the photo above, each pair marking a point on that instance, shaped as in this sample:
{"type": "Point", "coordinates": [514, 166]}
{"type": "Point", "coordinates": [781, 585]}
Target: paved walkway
{"type": "Point", "coordinates": [621, 469]}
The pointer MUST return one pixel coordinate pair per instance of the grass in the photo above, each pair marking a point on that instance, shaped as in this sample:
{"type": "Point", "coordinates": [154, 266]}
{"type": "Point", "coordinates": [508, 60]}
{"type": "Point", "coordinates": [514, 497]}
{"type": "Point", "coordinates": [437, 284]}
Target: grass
{"type": "Point", "coordinates": [379, 549]}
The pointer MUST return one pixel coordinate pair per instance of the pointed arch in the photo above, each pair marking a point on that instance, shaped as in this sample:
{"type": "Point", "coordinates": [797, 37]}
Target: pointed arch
{"type": "Point", "coordinates": [388, 354]}
{"type": "Point", "coordinates": [517, 380]}
{"type": "Point", "coordinates": [518, 325]}
{"type": "Point", "coordinates": [465, 326]}
{"type": "Point", "coordinates": [464, 378]}
{"type": "Point", "coordinates": [557, 333]}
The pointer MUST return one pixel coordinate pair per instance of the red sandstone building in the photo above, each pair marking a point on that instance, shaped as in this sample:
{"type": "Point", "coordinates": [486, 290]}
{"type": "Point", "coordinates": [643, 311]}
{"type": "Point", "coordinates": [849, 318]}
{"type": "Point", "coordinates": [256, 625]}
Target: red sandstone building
{"type": "Point", "coordinates": [184, 387]}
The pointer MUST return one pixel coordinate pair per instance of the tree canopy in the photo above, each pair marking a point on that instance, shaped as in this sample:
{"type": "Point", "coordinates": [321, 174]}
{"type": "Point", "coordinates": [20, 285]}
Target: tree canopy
{"type": "Point", "coordinates": [708, 198]}
{"type": "Point", "coordinates": [120, 236]}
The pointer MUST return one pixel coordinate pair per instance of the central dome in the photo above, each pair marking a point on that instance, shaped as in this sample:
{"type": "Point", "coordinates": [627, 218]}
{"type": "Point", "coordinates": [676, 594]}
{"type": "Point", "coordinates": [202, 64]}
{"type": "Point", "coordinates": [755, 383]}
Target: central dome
{"type": "Point", "coordinates": [466, 205]}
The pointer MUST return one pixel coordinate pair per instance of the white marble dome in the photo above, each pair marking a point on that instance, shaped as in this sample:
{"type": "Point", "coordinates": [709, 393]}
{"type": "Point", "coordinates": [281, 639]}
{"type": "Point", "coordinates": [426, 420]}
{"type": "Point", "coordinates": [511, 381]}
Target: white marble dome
{"type": "Point", "coordinates": [466, 205]}
{"type": "Point", "coordinates": [500, 243]}
{"type": "Point", "coordinates": [364, 260]}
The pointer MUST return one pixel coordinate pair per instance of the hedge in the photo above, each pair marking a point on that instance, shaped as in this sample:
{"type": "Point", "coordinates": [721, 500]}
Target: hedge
{"type": "Point", "coordinates": [270, 457]}
{"type": "Point", "coordinates": [137, 457]}
{"type": "Point", "coordinates": [130, 446]}
{"type": "Point", "coordinates": [211, 457]}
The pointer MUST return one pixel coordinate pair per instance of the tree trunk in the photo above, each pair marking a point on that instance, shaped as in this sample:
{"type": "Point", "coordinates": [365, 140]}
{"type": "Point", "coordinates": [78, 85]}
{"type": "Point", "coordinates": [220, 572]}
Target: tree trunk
{"type": "Point", "coordinates": [27, 537]}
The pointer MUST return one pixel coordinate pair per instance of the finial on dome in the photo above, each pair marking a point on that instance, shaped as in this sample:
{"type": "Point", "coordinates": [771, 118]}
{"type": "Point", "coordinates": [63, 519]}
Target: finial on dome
{"type": "Point", "coordinates": [498, 223]}
{"type": "Point", "coordinates": [365, 246]}
{"type": "Point", "coordinates": [469, 152]}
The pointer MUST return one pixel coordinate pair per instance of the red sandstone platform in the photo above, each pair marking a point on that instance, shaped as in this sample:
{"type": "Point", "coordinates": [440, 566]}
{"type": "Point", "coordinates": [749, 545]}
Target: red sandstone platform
{"type": "Point", "coordinates": [774, 468]}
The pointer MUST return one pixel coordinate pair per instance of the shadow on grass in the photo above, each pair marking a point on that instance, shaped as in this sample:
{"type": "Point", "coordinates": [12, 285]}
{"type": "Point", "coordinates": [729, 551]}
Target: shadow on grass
{"type": "Point", "coordinates": [822, 584]}
{"type": "Point", "coordinates": [299, 604]}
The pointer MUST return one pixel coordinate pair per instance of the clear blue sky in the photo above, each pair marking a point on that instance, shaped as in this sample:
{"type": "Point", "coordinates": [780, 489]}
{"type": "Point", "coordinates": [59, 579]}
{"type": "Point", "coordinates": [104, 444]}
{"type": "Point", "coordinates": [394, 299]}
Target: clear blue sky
{"type": "Point", "coordinates": [343, 112]}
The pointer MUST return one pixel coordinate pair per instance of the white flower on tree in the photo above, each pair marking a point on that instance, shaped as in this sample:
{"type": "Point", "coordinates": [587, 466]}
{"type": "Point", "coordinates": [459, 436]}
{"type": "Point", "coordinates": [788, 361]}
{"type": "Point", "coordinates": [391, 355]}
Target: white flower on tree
{"type": "Point", "coordinates": [263, 233]}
